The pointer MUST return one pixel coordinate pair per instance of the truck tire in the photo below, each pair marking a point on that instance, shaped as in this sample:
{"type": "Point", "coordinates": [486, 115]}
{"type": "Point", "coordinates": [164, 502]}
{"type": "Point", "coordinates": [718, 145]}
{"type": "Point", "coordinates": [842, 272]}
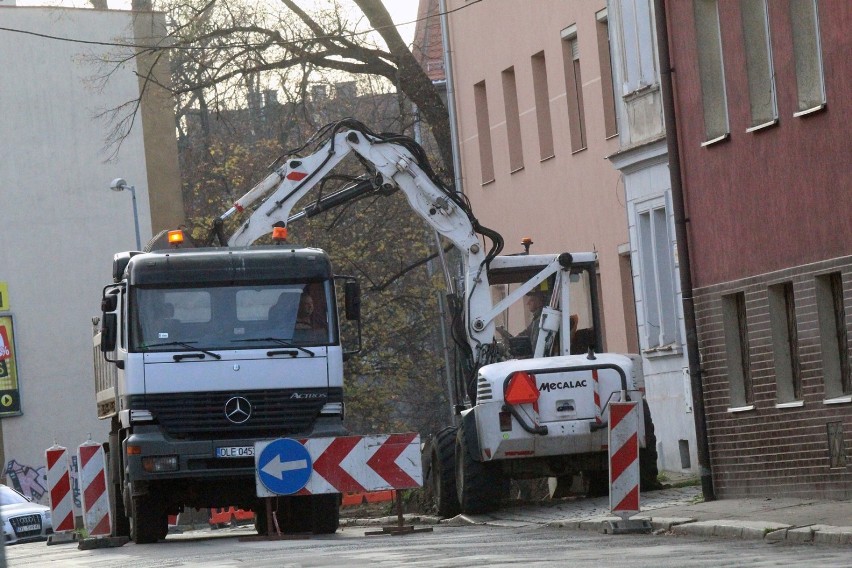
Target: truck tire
{"type": "Point", "coordinates": [479, 485]}
{"type": "Point", "coordinates": [443, 473]}
{"type": "Point", "coordinates": [648, 470]}
{"type": "Point", "coordinates": [147, 520]}
{"type": "Point", "coordinates": [325, 510]}
{"type": "Point", "coordinates": [120, 522]}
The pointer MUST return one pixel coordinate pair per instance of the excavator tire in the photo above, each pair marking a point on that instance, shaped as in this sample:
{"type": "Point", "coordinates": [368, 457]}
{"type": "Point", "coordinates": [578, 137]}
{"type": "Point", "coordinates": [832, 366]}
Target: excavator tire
{"type": "Point", "coordinates": [480, 485]}
{"type": "Point", "coordinates": [648, 470]}
{"type": "Point", "coordinates": [443, 474]}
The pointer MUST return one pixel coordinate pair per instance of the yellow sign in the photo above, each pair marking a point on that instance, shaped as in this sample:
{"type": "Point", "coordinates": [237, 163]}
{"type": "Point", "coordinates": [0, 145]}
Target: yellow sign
{"type": "Point", "coordinates": [4, 297]}
{"type": "Point", "coordinates": [10, 401]}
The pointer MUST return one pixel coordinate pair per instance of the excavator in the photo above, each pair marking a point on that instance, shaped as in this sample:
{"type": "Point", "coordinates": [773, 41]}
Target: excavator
{"type": "Point", "coordinates": [525, 406]}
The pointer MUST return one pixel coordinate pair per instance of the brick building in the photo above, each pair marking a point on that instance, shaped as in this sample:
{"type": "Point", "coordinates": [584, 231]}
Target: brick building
{"type": "Point", "coordinates": [761, 97]}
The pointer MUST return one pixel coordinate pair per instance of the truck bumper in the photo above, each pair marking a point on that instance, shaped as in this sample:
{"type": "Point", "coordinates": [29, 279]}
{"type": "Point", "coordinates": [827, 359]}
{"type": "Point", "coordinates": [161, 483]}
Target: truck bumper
{"type": "Point", "coordinates": [152, 455]}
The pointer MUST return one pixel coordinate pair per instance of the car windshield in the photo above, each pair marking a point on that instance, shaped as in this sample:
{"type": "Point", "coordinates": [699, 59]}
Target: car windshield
{"type": "Point", "coordinates": [9, 496]}
{"type": "Point", "coordinates": [231, 317]}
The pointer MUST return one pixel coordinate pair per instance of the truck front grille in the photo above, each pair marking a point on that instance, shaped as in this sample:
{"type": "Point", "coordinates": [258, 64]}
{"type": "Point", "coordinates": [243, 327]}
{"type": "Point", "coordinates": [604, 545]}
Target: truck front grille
{"type": "Point", "coordinates": [201, 415]}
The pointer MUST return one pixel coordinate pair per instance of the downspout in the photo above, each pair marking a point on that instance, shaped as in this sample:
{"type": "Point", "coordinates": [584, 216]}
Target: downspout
{"type": "Point", "coordinates": [680, 221]}
{"type": "Point", "coordinates": [451, 98]}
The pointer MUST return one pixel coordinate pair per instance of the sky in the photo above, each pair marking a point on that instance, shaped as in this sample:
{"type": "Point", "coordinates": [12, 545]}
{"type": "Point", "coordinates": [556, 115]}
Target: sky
{"type": "Point", "coordinates": [400, 10]}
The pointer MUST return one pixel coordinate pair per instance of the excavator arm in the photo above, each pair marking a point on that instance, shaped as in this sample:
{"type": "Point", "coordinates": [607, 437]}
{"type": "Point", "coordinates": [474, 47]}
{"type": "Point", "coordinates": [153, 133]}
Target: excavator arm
{"type": "Point", "coordinates": [400, 164]}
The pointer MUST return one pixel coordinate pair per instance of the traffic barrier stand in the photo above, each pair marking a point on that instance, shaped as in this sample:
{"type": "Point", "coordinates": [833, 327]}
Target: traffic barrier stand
{"type": "Point", "coordinates": [624, 469]}
{"type": "Point", "coordinates": [95, 498]}
{"type": "Point", "coordinates": [61, 499]}
{"type": "Point", "coordinates": [400, 528]}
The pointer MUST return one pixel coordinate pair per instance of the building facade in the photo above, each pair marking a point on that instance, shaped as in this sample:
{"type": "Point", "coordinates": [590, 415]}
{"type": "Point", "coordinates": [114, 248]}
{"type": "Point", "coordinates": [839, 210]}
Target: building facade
{"type": "Point", "coordinates": [536, 120]}
{"type": "Point", "coordinates": [59, 222]}
{"type": "Point", "coordinates": [761, 94]}
{"type": "Point", "coordinates": [642, 159]}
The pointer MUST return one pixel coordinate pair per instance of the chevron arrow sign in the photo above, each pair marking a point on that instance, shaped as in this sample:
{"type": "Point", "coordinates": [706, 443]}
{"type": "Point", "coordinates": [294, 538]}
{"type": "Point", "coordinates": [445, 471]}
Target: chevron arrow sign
{"type": "Point", "coordinates": [347, 464]}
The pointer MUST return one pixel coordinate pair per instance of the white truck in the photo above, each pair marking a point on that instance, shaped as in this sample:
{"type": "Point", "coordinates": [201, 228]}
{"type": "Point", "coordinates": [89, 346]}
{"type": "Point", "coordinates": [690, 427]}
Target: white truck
{"type": "Point", "coordinates": [527, 406]}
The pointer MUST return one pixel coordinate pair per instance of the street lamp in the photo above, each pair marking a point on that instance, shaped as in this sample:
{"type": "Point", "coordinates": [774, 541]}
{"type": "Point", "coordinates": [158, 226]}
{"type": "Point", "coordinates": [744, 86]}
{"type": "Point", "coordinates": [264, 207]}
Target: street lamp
{"type": "Point", "coordinates": [118, 184]}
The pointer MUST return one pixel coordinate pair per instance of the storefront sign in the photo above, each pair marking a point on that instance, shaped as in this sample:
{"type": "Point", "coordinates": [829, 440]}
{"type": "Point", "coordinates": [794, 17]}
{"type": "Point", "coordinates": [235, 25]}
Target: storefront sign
{"type": "Point", "coordinates": [10, 402]}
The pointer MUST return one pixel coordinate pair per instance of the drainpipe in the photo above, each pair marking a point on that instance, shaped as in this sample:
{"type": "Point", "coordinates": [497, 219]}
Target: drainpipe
{"type": "Point", "coordinates": [451, 96]}
{"type": "Point", "coordinates": [683, 253]}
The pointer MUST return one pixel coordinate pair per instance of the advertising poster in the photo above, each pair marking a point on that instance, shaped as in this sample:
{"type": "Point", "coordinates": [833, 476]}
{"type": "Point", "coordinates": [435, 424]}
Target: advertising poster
{"type": "Point", "coordinates": [10, 402]}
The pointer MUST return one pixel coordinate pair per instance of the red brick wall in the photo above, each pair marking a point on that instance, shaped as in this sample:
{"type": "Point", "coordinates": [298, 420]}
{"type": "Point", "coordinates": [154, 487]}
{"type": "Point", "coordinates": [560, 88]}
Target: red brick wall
{"type": "Point", "coordinates": [769, 451]}
{"type": "Point", "coordinates": [775, 198]}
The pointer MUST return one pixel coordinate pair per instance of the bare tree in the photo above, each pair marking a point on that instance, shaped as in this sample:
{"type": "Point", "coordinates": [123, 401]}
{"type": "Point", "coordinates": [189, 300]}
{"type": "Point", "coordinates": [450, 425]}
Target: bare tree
{"type": "Point", "coordinates": [217, 47]}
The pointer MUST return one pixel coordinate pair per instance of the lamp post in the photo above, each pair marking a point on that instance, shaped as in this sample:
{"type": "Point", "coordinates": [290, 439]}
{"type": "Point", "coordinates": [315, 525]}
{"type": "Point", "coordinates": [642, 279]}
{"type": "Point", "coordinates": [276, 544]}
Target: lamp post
{"type": "Point", "coordinates": [118, 184]}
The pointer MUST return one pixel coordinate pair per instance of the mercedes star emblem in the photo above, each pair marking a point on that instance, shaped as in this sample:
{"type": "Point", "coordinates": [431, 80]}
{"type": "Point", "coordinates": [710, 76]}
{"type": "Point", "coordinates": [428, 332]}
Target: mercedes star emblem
{"type": "Point", "coordinates": [237, 409]}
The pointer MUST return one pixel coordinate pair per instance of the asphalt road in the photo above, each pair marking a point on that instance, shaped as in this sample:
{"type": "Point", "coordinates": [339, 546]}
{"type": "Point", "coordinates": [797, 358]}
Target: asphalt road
{"type": "Point", "coordinates": [447, 546]}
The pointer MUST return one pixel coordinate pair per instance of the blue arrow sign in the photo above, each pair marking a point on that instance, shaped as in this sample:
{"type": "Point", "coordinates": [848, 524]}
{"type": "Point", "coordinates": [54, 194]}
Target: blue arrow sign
{"type": "Point", "coordinates": [284, 466]}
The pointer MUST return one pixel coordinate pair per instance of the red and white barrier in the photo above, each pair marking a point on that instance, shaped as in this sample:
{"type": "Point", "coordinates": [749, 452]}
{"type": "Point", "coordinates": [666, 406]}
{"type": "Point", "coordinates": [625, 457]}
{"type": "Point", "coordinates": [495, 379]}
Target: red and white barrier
{"type": "Point", "coordinates": [356, 464]}
{"type": "Point", "coordinates": [93, 489]}
{"type": "Point", "coordinates": [624, 458]}
{"type": "Point", "coordinates": [59, 488]}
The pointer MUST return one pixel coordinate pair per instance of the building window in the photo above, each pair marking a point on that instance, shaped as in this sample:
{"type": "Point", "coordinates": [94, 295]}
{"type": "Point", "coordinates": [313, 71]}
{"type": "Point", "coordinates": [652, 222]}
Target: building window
{"type": "Point", "coordinates": [657, 277]}
{"type": "Point", "coordinates": [574, 88]}
{"type": "Point", "coordinates": [637, 53]}
{"type": "Point", "coordinates": [833, 336]}
{"type": "Point", "coordinates": [808, 53]}
{"type": "Point", "coordinates": [483, 127]}
{"type": "Point", "coordinates": [785, 343]}
{"type": "Point", "coordinates": [758, 53]}
{"type": "Point", "coordinates": [711, 70]}
{"type": "Point", "coordinates": [736, 350]}
{"type": "Point", "coordinates": [605, 60]}
{"type": "Point", "coordinates": [542, 106]}
{"type": "Point", "coordinates": [513, 120]}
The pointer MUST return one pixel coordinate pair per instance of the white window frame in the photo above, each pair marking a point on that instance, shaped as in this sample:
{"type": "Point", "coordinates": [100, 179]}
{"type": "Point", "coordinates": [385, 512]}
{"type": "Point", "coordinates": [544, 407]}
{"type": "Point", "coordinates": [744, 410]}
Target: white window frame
{"type": "Point", "coordinates": [657, 279]}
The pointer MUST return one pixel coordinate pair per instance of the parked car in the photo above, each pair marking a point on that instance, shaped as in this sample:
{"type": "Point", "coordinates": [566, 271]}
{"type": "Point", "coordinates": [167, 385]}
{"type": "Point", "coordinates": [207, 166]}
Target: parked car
{"type": "Point", "coordinates": [23, 520]}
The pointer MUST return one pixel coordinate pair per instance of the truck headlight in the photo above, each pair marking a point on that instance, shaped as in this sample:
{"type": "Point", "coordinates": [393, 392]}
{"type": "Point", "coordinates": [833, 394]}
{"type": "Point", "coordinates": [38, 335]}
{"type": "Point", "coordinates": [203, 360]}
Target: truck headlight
{"type": "Point", "coordinates": [159, 464]}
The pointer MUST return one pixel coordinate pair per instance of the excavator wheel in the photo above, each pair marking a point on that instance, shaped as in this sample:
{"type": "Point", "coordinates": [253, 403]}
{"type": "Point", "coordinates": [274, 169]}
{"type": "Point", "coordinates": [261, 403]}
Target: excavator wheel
{"type": "Point", "coordinates": [443, 472]}
{"type": "Point", "coordinates": [648, 471]}
{"type": "Point", "coordinates": [480, 485]}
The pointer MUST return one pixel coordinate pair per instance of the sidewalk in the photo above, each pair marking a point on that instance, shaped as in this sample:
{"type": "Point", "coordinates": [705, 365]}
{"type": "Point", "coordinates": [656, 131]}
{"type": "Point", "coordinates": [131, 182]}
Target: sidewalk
{"type": "Point", "coordinates": [681, 510]}
{"type": "Point", "coordinates": [770, 519]}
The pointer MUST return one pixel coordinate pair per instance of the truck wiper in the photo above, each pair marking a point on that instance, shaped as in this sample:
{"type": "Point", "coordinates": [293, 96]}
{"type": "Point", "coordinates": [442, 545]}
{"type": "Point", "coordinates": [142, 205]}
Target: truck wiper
{"type": "Point", "coordinates": [186, 345]}
{"type": "Point", "coordinates": [281, 342]}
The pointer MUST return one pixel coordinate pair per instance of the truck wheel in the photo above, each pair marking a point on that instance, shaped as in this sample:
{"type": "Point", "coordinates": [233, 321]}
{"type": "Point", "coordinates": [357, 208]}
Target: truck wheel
{"type": "Point", "coordinates": [325, 510]}
{"type": "Point", "coordinates": [443, 472]}
{"type": "Point", "coordinates": [260, 522]}
{"type": "Point", "coordinates": [648, 471]}
{"type": "Point", "coordinates": [120, 522]}
{"type": "Point", "coordinates": [147, 520]}
{"type": "Point", "coordinates": [479, 485]}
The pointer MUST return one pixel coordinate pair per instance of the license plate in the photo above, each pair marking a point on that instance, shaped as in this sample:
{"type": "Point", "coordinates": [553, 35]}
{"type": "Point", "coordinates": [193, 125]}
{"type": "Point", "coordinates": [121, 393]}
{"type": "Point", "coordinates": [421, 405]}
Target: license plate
{"type": "Point", "coordinates": [235, 452]}
{"type": "Point", "coordinates": [28, 528]}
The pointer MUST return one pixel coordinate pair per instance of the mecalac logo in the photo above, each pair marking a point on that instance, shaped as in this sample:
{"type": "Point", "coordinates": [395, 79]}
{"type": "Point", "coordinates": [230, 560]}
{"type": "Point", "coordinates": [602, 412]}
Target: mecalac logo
{"type": "Point", "coordinates": [237, 409]}
{"type": "Point", "coordinates": [308, 395]}
{"type": "Point", "coordinates": [547, 387]}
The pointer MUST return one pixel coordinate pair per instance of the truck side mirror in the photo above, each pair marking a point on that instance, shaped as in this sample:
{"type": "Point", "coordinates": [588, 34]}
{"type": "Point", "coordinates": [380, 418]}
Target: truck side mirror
{"type": "Point", "coordinates": [109, 303]}
{"type": "Point", "coordinates": [352, 299]}
{"type": "Point", "coordinates": [109, 332]}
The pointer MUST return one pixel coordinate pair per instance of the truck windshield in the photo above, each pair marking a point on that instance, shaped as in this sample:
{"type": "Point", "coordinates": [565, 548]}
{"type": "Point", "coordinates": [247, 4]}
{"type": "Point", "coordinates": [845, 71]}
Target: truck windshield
{"type": "Point", "coordinates": [231, 317]}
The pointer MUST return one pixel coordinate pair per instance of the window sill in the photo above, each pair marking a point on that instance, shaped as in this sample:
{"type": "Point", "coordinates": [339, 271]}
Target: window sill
{"type": "Point", "coordinates": [741, 409]}
{"type": "Point", "coordinates": [488, 182]}
{"type": "Point", "coordinates": [670, 350]}
{"type": "Point", "coordinates": [792, 404]}
{"type": "Point", "coordinates": [716, 140]}
{"type": "Point", "coordinates": [546, 158]}
{"type": "Point", "coordinates": [765, 125]}
{"type": "Point", "coordinates": [516, 170]}
{"type": "Point", "coordinates": [808, 111]}
{"type": "Point", "coordinates": [845, 399]}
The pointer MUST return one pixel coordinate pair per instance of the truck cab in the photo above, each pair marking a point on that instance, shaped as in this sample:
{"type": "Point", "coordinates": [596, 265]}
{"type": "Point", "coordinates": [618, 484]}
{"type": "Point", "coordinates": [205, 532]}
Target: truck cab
{"type": "Point", "coordinates": [213, 350]}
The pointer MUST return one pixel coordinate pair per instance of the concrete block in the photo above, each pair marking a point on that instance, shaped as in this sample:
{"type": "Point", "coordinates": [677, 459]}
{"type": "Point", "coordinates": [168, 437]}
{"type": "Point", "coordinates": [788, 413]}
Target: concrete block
{"type": "Point", "coordinates": [825, 534]}
{"type": "Point", "coordinates": [699, 528]}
